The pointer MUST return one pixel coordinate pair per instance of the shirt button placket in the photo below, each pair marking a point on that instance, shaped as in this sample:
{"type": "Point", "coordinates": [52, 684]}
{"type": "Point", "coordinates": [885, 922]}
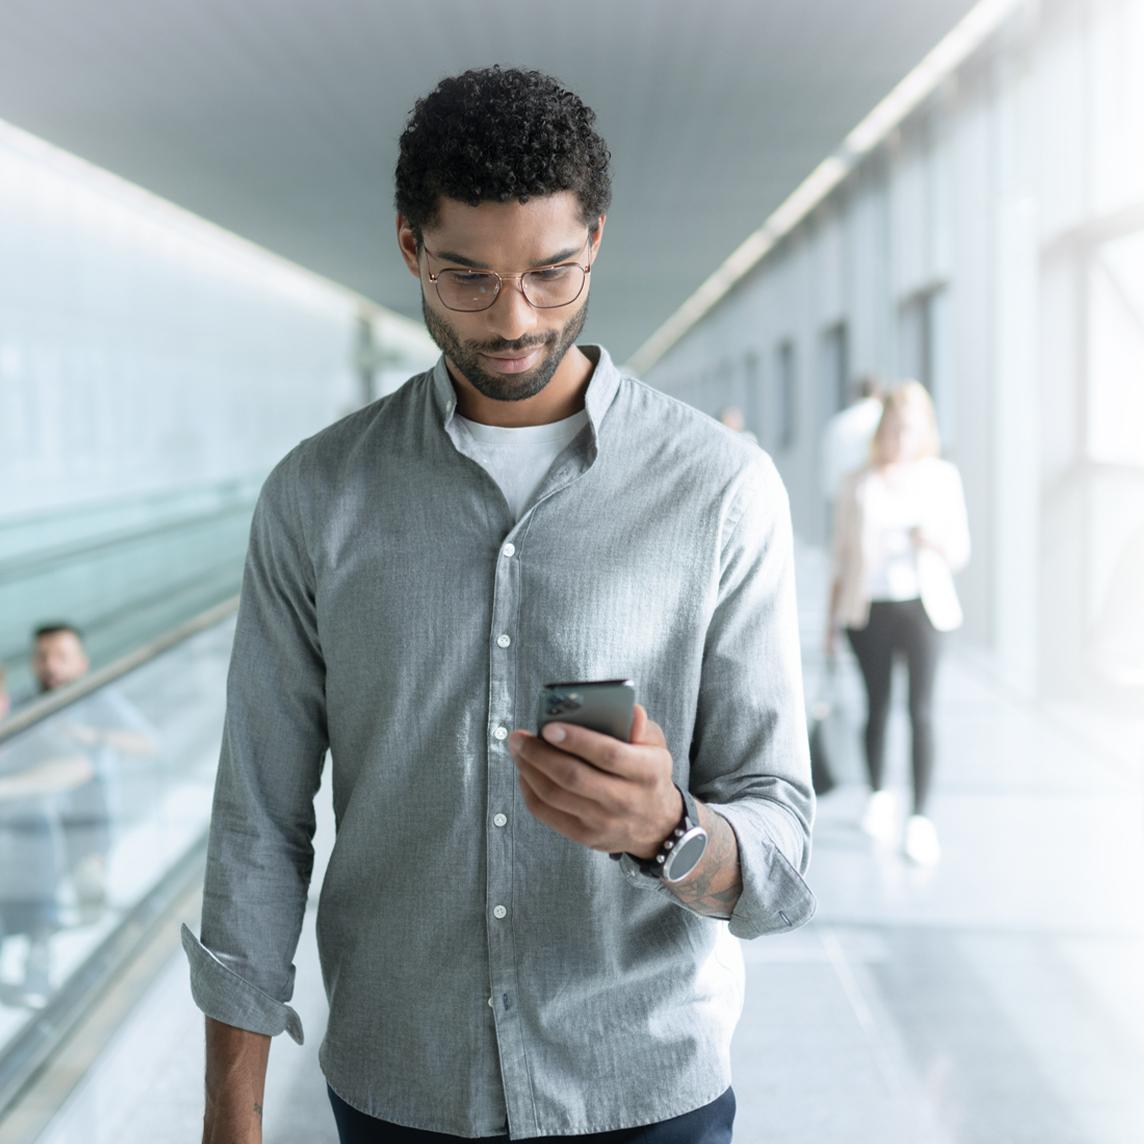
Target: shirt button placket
{"type": "Point", "coordinates": [501, 786]}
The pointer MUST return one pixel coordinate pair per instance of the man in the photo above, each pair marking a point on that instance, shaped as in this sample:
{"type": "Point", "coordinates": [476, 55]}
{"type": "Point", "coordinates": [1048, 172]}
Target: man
{"type": "Point", "coordinates": [58, 656]}
{"type": "Point", "coordinates": [108, 729]}
{"type": "Point", "coordinates": [522, 513]}
{"type": "Point", "coordinates": [847, 436]}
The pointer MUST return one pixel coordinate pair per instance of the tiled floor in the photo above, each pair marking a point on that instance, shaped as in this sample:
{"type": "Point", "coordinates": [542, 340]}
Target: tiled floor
{"type": "Point", "coordinates": [998, 999]}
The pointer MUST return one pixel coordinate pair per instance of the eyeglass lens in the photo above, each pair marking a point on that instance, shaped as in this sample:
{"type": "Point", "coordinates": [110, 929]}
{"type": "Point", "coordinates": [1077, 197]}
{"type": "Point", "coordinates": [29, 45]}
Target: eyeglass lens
{"type": "Point", "coordinates": [546, 288]}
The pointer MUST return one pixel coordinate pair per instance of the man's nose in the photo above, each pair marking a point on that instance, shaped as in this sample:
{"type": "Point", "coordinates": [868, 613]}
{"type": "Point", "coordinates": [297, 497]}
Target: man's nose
{"type": "Point", "coordinates": [510, 316]}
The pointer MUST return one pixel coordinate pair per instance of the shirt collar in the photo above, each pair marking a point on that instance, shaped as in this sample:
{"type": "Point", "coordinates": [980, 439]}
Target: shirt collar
{"type": "Point", "coordinates": [601, 388]}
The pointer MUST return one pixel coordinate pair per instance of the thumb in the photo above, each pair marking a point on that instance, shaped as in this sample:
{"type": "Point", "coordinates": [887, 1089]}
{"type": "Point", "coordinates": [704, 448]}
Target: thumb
{"type": "Point", "coordinates": [646, 731]}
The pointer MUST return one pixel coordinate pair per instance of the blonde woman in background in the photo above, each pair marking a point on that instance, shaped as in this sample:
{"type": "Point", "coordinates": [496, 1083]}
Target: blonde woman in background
{"type": "Point", "coordinates": [900, 532]}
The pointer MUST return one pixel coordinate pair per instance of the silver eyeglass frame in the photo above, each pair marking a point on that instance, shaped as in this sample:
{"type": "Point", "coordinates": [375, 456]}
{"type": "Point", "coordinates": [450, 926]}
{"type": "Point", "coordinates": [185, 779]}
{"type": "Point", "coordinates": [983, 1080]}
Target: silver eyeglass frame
{"type": "Point", "coordinates": [503, 278]}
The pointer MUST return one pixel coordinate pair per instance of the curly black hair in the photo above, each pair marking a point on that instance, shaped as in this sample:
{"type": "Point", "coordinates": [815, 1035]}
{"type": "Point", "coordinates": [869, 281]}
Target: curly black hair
{"type": "Point", "coordinates": [496, 134]}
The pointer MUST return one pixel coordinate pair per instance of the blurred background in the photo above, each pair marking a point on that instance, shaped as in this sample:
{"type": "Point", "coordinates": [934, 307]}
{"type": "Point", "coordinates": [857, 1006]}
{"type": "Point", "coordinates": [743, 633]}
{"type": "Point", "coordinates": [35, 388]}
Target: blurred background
{"type": "Point", "coordinates": [198, 269]}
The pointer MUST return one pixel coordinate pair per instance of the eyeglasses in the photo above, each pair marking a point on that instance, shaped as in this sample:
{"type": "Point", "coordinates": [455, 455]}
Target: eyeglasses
{"type": "Point", "coordinates": [545, 288]}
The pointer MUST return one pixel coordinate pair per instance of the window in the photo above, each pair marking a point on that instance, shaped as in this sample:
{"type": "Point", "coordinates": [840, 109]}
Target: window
{"type": "Point", "coordinates": [786, 371]}
{"type": "Point", "coordinates": [925, 351]}
{"type": "Point", "coordinates": [835, 370]}
{"type": "Point", "coordinates": [753, 393]}
{"type": "Point", "coordinates": [1115, 352]}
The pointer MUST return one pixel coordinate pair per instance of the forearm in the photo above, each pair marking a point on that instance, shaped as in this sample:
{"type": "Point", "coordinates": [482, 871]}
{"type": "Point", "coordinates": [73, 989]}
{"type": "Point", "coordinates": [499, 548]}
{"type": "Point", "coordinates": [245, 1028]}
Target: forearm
{"type": "Point", "coordinates": [714, 886]}
{"type": "Point", "coordinates": [832, 602]}
{"type": "Point", "coordinates": [236, 1079]}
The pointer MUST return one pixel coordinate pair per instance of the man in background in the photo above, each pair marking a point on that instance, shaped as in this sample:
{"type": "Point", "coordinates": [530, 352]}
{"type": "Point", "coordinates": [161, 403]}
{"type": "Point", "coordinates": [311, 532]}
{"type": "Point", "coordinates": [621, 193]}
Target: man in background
{"type": "Point", "coordinates": [847, 436]}
{"type": "Point", "coordinates": [108, 729]}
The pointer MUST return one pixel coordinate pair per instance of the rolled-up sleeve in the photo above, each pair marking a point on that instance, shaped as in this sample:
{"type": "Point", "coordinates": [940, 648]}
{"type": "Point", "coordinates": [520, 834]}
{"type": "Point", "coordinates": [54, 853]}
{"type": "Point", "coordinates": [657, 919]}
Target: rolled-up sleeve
{"type": "Point", "coordinates": [260, 853]}
{"type": "Point", "coordinates": [750, 758]}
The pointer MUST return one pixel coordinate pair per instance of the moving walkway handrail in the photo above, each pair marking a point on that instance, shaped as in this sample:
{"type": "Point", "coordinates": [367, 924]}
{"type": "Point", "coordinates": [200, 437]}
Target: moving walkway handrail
{"type": "Point", "coordinates": [47, 705]}
{"type": "Point", "coordinates": [52, 559]}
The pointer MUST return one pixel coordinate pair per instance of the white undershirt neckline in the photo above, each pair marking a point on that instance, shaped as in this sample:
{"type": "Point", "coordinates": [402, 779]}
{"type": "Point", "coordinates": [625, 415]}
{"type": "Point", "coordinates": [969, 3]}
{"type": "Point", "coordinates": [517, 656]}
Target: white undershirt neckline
{"type": "Point", "coordinates": [518, 458]}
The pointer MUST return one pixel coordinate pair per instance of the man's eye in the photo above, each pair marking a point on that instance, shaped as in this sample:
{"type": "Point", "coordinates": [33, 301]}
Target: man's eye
{"type": "Point", "coordinates": [463, 279]}
{"type": "Point", "coordinates": [549, 274]}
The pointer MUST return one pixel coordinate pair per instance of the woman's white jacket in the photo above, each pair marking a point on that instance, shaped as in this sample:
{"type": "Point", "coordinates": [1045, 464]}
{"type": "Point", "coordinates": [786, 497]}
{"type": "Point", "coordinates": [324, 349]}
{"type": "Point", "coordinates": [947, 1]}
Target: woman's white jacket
{"type": "Point", "coordinates": [943, 524]}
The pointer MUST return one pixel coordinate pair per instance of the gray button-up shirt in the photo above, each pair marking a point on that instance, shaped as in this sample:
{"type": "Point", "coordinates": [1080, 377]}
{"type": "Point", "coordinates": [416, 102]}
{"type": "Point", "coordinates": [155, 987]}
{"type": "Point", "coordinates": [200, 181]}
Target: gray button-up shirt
{"type": "Point", "coordinates": [484, 972]}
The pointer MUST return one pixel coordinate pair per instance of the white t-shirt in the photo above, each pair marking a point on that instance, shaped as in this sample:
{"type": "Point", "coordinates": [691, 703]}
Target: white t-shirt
{"type": "Point", "coordinates": [893, 508]}
{"type": "Point", "coordinates": [518, 459]}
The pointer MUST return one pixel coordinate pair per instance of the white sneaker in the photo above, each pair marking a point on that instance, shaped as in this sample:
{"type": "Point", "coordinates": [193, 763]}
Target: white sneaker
{"type": "Point", "coordinates": [922, 846]}
{"type": "Point", "coordinates": [881, 818]}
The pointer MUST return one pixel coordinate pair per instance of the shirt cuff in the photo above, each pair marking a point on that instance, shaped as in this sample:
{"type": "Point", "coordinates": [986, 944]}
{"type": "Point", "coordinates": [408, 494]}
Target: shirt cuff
{"type": "Point", "coordinates": [220, 993]}
{"type": "Point", "coordinates": [635, 875]}
{"type": "Point", "coordinates": [774, 898]}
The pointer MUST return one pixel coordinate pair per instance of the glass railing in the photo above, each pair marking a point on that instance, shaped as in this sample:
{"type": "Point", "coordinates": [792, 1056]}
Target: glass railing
{"type": "Point", "coordinates": [124, 570]}
{"type": "Point", "coordinates": [105, 794]}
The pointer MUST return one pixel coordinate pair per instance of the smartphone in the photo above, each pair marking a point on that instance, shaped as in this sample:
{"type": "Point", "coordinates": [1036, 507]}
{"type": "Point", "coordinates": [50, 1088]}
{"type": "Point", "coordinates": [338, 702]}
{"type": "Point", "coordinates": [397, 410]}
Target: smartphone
{"type": "Point", "coordinates": [604, 705]}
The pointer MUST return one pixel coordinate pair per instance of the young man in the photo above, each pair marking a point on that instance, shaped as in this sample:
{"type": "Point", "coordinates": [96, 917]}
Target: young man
{"type": "Point", "coordinates": [522, 513]}
{"type": "Point", "coordinates": [58, 656]}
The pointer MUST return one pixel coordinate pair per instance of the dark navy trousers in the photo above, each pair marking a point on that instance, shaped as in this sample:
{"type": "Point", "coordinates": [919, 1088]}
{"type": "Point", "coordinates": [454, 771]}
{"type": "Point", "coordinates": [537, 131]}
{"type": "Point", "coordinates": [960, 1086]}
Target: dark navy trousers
{"type": "Point", "coordinates": [710, 1124]}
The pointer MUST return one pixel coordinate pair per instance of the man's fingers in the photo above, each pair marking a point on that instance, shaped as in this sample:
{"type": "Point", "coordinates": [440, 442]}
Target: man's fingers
{"type": "Point", "coordinates": [646, 732]}
{"type": "Point", "coordinates": [566, 824]}
{"type": "Point", "coordinates": [563, 788]}
{"type": "Point", "coordinates": [605, 752]}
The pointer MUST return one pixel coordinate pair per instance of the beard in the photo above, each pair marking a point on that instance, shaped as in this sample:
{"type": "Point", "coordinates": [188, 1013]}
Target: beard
{"type": "Point", "coordinates": [464, 356]}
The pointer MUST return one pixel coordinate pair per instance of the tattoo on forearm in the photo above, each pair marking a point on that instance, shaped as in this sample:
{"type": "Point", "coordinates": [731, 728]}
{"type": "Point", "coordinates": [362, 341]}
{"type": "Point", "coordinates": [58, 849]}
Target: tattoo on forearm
{"type": "Point", "coordinates": [716, 883]}
{"type": "Point", "coordinates": [258, 1110]}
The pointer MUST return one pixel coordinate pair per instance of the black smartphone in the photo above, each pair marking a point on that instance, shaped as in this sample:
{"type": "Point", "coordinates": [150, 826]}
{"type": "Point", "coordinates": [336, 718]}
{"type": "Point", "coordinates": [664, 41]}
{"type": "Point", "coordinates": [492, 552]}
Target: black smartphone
{"type": "Point", "coordinates": [604, 705]}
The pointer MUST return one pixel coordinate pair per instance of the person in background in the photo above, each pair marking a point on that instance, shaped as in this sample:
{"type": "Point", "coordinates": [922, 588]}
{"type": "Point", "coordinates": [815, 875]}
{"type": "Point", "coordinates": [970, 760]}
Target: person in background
{"type": "Point", "coordinates": [58, 656]}
{"type": "Point", "coordinates": [108, 729]}
{"type": "Point", "coordinates": [105, 719]}
{"type": "Point", "coordinates": [900, 533]}
{"type": "Point", "coordinates": [846, 438]}
{"type": "Point", "coordinates": [37, 771]}
{"type": "Point", "coordinates": [732, 417]}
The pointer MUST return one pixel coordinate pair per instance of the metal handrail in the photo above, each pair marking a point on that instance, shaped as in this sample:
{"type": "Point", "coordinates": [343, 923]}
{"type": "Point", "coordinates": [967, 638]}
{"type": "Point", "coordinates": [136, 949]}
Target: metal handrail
{"type": "Point", "coordinates": [111, 503]}
{"type": "Point", "coordinates": [27, 564]}
{"type": "Point", "coordinates": [40, 709]}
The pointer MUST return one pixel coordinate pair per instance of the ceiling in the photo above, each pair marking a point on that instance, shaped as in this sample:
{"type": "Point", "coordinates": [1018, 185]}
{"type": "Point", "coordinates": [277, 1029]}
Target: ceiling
{"type": "Point", "coordinates": [279, 119]}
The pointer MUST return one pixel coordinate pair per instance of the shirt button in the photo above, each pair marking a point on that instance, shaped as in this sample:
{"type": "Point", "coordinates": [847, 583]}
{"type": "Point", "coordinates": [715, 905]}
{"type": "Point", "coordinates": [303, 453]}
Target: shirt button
{"type": "Point", "coordinates": [500, 912]}
{"type": "Point", "coordinates": [499, 820]}
{"type": "Point", "coordinates": [503, 641]}
{"type": "Point", "coordinates": [509, 550]}
{"type": "Point", "coordinates": [500, 734]}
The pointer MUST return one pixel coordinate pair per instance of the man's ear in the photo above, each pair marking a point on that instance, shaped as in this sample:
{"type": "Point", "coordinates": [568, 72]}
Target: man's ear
{"type": "Point", "coordinates": [598, 235]}
{"type": "Point", "coordinates": [407, 244]}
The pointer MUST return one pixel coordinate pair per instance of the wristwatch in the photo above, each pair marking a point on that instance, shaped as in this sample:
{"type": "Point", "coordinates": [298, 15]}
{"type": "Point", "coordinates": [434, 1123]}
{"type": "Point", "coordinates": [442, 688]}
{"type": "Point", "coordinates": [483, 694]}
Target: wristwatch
{"type": "Point", "coordinates": [683, 848]}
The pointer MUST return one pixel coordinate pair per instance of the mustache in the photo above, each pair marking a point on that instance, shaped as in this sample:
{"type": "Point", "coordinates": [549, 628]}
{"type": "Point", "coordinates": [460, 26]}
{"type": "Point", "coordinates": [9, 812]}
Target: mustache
{"type": "Point", "coordinates": [502, 347]}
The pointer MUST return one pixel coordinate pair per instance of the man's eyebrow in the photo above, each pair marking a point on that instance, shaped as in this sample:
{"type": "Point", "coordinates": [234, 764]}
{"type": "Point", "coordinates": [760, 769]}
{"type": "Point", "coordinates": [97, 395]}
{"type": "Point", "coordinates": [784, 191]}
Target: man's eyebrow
{"type": "Point", "coordinates": [461, 260]}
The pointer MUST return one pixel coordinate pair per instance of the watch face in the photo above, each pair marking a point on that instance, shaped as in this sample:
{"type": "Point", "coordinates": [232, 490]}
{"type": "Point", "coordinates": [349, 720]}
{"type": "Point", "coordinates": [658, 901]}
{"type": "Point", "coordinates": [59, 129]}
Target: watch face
{"type": "Point", "coordinates": [685, 857]}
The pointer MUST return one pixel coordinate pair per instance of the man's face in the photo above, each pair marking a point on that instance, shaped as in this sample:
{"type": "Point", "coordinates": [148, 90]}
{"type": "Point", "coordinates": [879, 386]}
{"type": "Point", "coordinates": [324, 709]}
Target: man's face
{"type": "Point", "coordinates": [511, 350]}
{"type": "Point", "coordinates": [58, 659]}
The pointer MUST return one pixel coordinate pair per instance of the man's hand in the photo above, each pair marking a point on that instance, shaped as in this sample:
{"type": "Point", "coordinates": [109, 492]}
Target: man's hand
{"type": "Point", "coordinates": [598, 791]}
